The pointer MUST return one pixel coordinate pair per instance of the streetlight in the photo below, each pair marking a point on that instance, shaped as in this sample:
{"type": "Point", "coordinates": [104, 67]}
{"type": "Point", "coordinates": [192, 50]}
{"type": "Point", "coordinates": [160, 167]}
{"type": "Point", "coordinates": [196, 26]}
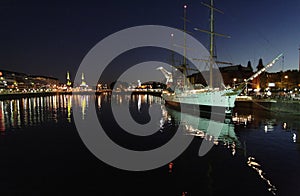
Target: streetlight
{"type": "Point", "coordinates": [287, 84]}
{"type": "Point", "coordinates": [234, 80]}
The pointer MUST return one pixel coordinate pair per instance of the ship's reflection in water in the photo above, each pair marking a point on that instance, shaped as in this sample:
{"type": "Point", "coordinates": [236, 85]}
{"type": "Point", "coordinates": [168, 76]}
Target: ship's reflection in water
{"type": "Point", "coordinates": [196, 126]}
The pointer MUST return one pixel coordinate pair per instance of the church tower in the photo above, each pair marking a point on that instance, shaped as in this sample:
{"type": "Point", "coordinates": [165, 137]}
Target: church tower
{"type": "Point", "coordinates": [69, 83]}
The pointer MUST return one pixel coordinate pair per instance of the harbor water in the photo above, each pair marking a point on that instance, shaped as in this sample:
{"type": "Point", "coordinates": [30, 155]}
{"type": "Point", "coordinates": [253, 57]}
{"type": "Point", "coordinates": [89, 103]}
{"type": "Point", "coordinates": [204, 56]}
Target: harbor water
{"type": "Point", "coordinates": [42, 153]}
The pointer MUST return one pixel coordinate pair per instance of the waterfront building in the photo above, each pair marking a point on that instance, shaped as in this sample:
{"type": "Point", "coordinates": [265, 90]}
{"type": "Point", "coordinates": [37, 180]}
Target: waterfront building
{"type": "Point", "coordinates": [20, 82]}
{"type": "Point", "coordinates": [231, 75]}
{"type": "Point", "coordinates": [236, 74]}
{"type": "Point", "coordinates": [287, 81]}
{"type": "Point", "coordinates": [44, 82]}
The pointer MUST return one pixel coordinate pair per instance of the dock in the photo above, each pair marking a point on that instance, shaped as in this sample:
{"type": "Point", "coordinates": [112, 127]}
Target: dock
{"type": "Point", "coordinates": [271, 104]}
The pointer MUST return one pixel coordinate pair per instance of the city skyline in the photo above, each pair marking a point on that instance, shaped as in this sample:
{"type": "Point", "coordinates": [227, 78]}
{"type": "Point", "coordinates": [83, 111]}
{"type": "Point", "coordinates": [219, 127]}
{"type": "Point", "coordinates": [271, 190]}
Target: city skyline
{"type": "Point", "coordinates": [52, 37]}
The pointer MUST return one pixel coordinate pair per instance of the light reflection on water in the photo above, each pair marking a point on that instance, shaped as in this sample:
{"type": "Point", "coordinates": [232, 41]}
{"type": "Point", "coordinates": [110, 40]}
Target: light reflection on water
{"type": "Point", "coordinates": [32, 111]}
{"type": "Point", "coordinates": [257, 167]}
{"type": "Point", "coordinates": [264, 139]}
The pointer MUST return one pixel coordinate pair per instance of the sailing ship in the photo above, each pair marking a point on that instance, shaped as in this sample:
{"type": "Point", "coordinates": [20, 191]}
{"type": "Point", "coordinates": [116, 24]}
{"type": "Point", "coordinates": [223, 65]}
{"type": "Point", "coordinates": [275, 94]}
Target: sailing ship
{"type": "Point", "coordinates": [221, 99]}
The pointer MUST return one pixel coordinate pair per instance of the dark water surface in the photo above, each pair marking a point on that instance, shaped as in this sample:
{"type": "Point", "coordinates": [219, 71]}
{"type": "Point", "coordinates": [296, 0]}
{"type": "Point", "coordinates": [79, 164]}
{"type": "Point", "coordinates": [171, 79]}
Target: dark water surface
{"type": "Point", "coordinates": [41, 152]}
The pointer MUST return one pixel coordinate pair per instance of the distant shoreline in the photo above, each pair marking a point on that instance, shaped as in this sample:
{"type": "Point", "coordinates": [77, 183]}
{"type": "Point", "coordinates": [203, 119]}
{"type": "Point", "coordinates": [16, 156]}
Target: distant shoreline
{"type": "Point", "coordinates": [10, 96]}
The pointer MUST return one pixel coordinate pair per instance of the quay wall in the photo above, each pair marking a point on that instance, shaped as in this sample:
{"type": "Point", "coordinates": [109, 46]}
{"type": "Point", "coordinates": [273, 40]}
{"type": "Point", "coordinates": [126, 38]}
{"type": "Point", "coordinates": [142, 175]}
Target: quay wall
{"type": "Point", "coordinates": [289, 106]}
{"type": "Point", "coordinates": [278, 105]}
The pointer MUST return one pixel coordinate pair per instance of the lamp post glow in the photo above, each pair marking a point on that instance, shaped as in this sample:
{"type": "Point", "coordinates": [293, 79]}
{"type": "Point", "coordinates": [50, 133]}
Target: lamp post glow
{"type": "Point", "coordinates": [286, 77]}
{"type": "Point", "coordinates": [234, 80]}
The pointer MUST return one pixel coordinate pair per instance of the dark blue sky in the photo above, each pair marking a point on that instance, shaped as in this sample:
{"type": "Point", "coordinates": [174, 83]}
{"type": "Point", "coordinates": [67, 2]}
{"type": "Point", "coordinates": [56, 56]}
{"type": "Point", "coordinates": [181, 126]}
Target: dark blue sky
{"type": "Point", "coordinates": [51, 37]}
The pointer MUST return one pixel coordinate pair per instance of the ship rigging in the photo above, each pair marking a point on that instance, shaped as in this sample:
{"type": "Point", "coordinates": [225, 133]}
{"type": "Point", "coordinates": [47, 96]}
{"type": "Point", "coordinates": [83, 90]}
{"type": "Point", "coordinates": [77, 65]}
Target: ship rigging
{"type": "Point", "coordinates": [209, 97]}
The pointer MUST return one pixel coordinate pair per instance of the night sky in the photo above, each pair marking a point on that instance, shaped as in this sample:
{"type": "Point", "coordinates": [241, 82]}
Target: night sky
{"type": "Point", "coordinates": [50, 37]}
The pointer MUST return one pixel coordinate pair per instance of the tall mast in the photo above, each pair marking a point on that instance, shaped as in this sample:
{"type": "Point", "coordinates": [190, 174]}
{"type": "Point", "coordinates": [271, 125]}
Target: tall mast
{"type": "Point", "coordinates": [184, 30]}
{"type": "Point", "coordinates": [299, 58]}
{"type": "Point", "coordinates": [184, 45]}
{"type": "Point", "coordinates": [211, 49]}
{"type": "Point", "coordinates": [212, 34]}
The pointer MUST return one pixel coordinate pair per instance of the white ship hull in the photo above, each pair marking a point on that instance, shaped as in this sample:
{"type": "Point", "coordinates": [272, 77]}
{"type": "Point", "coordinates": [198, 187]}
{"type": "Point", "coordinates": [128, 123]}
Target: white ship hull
{"type": "Point", "coordinates": [212, 98]}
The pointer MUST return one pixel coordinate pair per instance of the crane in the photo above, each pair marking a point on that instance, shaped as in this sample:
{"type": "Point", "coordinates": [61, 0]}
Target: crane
{"type": "Point", "coordinates": [168, 75]}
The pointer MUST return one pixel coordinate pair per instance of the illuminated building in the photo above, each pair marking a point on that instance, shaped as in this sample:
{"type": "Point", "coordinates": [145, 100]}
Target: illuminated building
{"type": "Point", "coordinates": [14, 81]}
{"type": "Point", "coordinates": [69, 83]}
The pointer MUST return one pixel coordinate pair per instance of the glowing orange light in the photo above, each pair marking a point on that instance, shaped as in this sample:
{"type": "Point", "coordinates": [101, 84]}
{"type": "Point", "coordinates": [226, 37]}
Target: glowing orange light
{"type": "Point", "coordinates": [170, 167]}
